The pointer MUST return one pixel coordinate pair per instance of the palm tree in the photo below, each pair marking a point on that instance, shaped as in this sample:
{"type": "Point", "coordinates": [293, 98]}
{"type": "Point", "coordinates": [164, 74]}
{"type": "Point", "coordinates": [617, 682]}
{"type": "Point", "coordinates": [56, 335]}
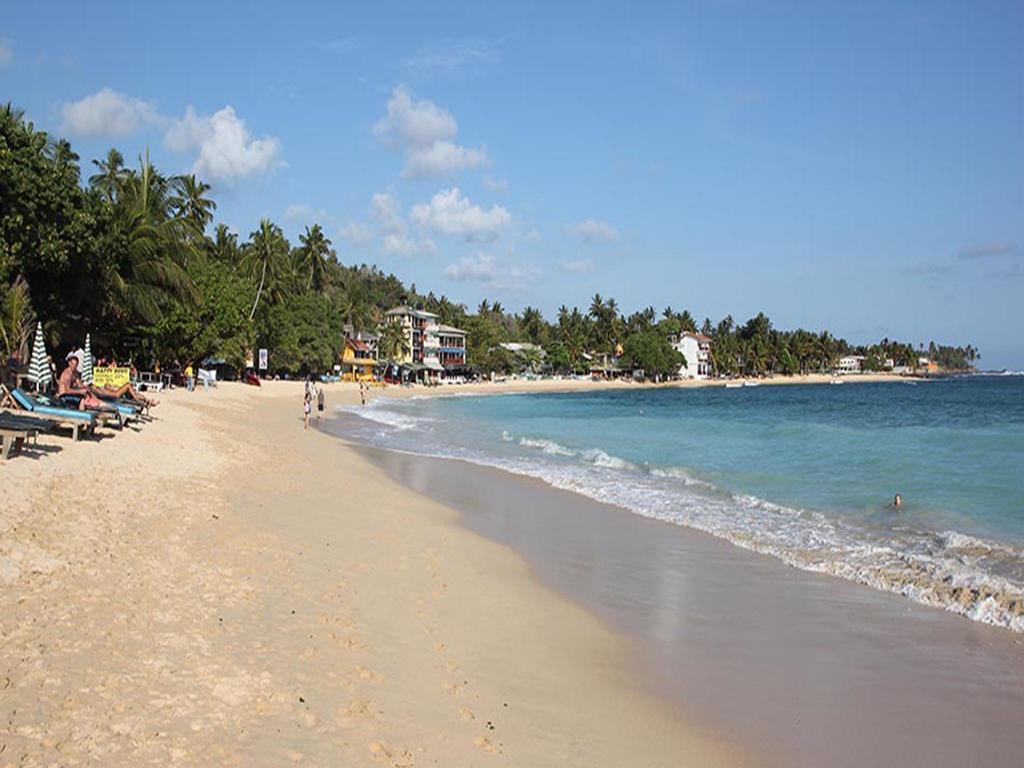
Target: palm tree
{"type": "Point", "coordinates": [313, 256]}
{"type": "Point", "coordinates": [224, 246]}
{"type": "Point", "coordinates": [16, 320]}
{"type": "Point", "coordinates": [392, 341]}
{"type": "Point", "coordinates": [111, 175]}
{"type": "Point", "coordinates": [147, 273]}
{"type": "Point", "coordinates": [266, 253]}
{"type": "Point", "coordinates": [189, 203]}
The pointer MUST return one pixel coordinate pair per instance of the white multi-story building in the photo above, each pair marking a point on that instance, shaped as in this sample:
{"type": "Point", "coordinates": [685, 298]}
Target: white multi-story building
{"type": "Point", "coordinates": [696, 348]}
{"type": "Point", "coordinates": [430, 346]}
{"type": "Point", "coordinates": [850, 363]}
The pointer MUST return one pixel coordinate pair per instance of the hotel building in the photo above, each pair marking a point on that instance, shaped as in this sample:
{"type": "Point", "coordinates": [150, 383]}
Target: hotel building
{"type": "Point", "coordinates": [696, 348]}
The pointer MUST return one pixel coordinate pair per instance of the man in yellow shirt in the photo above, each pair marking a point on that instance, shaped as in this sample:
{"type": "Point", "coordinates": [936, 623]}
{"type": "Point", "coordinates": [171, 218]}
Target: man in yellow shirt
{"type": "Point", "coordinates": [190, 379]}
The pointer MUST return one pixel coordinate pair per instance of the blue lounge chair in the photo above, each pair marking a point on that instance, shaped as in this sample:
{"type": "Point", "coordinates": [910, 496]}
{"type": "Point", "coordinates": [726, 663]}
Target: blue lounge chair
{"type": "Point", "coordinates": [76, 420]}
{"type": "Point", "coordinates": [123, 412]}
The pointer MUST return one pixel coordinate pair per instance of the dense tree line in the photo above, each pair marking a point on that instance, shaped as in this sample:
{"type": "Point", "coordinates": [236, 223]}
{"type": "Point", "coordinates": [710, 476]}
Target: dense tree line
{"type": "Point", "coordinates": [134, 257]}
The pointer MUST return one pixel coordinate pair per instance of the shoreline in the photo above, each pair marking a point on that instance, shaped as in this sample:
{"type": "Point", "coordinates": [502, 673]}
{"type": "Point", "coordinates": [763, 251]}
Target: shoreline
{"type": "Point", "coordinates": [167, 600]}
{"type": "Point", "coordinates": [779, 659]}
{"type": "Point", "coordinates": [522, 386]}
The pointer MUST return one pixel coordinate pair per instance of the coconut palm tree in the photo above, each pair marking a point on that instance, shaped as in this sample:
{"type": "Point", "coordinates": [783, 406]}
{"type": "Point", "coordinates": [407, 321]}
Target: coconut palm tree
{"type": "Point", "coordinates": [392, 341]}
{"type": "Point", "coordinates": [313, 257]}
{"type": "Point", "coordinates": [111, 175]}
{"type": "Point", "coordinates": [147, 272]}
{"type": "Point", "coordinates": [16, 320]}
{"type": "Point", "coordinates": [190, 204]}
{"type": "Point", "coordinates": [266, 254]}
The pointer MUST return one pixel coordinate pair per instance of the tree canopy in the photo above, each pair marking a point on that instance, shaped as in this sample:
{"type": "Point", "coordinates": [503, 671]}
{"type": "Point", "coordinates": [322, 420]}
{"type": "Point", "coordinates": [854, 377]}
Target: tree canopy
{"type": "Point", "coordinates": [136, 258]}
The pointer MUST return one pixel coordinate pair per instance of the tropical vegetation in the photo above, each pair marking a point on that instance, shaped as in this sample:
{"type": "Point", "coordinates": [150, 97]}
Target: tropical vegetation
{"type": "Point", "coordinates": [135, 257]}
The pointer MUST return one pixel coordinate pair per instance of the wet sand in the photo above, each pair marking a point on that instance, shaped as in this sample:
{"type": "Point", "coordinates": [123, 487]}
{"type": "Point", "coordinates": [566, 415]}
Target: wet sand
{"type": "Point", "coordinates": [802, 669]}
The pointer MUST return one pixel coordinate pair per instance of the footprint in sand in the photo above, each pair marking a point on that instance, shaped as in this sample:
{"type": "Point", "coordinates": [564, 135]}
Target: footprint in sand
{"type": "Point", "coordinates": [467, 714]}
{"type": "Point", "coordinates": [485, 744]}
{"type": "Point", "coordinates": [357, 710]}
{"type": "Point", "coordinates": [365, 673]}
{"type": "Point", "coordinates": [382, 753]}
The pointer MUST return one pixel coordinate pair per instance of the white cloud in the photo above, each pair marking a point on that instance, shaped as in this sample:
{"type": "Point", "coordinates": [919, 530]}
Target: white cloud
{"type": "Point", "coordinates": [226, 150]}
{"type": "Point", "coordinates": [356, 233]}
{"type": "Point", "coordinates": [440, 159]}
{"type": "Point", "coordinates": [6, 53]}
{"type": "Point", "coordinates": [484, 268]}
{"type": "Point", "coordinates": [534, 236]}
{"type": "Point", "coordinates": [425, 133]}
{"type": "Point", "coordinates": [593, 230]}
{"type": "Point", "coordinates": [387, 212]}
{"type": "Point", "coordinates": [108, 113]}
{"type": "Point", "coordinates": [984, 250]}
{"type": "Point", "coordinates": [453, 57]}
{"type": "Point", "coordinates": [298, 212]}
{"type": "Point", "coordinates": [399, 245]}
{"type": "Point", "coordinates": [495, 185]}
{"type": "Point", "coordinates": [395, 238]}
{"type": "Point", "coordinates": [449, 213]}
{"type": "Point", "coordinates": [577, 266]}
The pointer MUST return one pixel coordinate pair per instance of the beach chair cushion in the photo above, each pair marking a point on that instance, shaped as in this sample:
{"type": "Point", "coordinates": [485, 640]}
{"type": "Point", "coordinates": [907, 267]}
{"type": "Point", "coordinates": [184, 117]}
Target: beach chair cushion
{"type": "Point", "coordinates": [29, 403]}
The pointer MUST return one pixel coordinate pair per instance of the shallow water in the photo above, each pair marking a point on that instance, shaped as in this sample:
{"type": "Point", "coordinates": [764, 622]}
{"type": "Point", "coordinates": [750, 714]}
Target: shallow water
{"type": "Point", "coordinates": [800, 668]}
{"type": "Point", "coordinates": [803, 473]}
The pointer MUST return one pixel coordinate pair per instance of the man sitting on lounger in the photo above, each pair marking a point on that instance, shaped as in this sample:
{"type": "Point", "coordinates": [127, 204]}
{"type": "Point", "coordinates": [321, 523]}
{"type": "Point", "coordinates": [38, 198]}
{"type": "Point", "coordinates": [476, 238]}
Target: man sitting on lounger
{"type": "Point", "coordinates": [70, 383]}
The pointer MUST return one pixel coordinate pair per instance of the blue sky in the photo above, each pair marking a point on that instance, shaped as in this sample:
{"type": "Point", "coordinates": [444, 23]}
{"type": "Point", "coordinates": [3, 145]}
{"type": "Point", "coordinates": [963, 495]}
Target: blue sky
{"type": "Point", "coordinates": [856, 166]}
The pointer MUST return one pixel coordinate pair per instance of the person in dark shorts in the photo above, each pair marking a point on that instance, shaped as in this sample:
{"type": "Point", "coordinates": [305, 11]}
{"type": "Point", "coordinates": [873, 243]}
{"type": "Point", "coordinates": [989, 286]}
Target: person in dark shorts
{"type": "Point", "coordinates": [320, 406]}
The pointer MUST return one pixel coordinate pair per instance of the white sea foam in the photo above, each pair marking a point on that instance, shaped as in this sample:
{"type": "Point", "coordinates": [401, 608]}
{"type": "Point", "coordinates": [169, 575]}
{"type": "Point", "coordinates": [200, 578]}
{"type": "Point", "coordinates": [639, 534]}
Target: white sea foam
{"type": "Point", "coordinates": [547, 446]}
{"type": "Point", "coordinates": [979, 579]}
{"type": "Point", "coordinates": [381, 415]}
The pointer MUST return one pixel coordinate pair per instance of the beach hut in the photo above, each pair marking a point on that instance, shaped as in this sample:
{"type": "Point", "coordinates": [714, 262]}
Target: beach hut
{"type": "Point", "coordinates": [39, 367]}
{"type": "Point", "coordinates": [86, 368]}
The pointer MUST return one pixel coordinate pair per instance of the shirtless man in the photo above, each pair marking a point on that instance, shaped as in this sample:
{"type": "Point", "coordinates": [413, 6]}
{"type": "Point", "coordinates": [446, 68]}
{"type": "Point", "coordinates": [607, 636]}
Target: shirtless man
{"type": "Point", "coordinates": [70, 383]}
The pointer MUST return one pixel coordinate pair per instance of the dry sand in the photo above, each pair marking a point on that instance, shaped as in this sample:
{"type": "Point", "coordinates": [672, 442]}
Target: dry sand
{"type": "Point", "coordinates": [221, 587]}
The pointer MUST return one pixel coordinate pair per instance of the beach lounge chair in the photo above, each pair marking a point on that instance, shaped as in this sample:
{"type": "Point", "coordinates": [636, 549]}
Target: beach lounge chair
{"type": "Point", "coordinates": [76, 421]}
{"type": "Point", "coordinates": [111, 412]}
{"type": "Point", "coordinates": [15, 430]}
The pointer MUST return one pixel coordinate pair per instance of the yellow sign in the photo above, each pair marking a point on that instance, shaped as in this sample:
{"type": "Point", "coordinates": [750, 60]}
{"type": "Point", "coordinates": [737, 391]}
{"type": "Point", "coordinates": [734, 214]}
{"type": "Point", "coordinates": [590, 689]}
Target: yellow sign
{"type": "Point", "coordinates": [111, 377]}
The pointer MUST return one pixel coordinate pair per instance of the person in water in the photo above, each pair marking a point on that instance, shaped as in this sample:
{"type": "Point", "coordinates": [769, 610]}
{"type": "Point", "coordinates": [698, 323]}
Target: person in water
{"type": "Point", "coordinates": [897, 502]}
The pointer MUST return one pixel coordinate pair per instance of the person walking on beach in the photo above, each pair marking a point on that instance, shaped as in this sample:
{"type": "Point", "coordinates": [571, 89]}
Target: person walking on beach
{"type": "Point", "coordinates": [363, 386]}
{"type": "Point", "coordinates": [190, 379]}
{"type": "Point", "coordinates": [306, 400]}
{"type": "Point", "coordinates": [320, 407]}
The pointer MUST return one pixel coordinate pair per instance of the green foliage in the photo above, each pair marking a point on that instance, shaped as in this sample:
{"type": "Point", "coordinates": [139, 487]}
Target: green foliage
{"type": "Point", "coordinates": [301, 332]}
{"type": "Point", "coordinates": [128, 258]}
{"type": "Point", "coordinates": [218, 326]}
{"type": "Point", "coordinates": [650, 351]}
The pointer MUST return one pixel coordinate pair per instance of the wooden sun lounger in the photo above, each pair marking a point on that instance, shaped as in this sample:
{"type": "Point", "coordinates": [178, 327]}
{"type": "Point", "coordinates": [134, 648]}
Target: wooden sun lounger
{"type": "Point", "coordinates": [77, 421]}
{"type": "Point", "coordinates": [15, 430]}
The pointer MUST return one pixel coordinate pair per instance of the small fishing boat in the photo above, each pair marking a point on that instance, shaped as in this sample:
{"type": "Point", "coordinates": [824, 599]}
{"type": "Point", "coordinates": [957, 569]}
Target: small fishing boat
{"type": "Point", "coordinates": [836, 381]}
{"type": "Point", "coordinates": [751, 384]}
{"type": "Point", "coordinates": [733, 384]}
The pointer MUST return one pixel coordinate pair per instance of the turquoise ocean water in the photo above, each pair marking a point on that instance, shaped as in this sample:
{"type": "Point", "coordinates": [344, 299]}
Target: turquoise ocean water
{"type": "Point", "coordinates": [803, 473]}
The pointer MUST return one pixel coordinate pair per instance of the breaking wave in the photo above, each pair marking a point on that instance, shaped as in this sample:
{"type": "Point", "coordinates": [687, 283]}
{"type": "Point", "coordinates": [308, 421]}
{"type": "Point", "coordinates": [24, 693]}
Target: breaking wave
{"type": "Point", "coordinates": [980, 579]}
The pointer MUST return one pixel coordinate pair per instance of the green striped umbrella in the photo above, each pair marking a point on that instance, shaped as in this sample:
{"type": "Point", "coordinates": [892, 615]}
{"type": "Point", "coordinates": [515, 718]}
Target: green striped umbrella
{"type": "Point", "coordinates": [39, 369]}
{"type": "Point", "coordinates": [87, 361]}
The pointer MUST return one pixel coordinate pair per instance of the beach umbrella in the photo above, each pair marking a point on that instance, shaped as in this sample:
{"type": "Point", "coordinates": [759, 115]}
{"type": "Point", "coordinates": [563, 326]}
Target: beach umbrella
{"type": "Point", "coordinates": [39, 368]}
{"type": "Point", "coordinates": [86, 366]}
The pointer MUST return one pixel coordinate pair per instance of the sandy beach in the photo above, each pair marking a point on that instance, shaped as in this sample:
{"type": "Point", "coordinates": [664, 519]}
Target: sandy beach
{"type": "Point", "coordinates": [221, 587]}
